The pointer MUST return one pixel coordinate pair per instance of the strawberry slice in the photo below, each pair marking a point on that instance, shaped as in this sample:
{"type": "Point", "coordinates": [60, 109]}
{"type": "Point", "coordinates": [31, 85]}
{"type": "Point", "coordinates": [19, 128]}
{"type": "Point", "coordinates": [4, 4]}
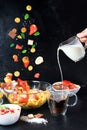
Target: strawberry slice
{"type": "Point", "coordinates": [23, 98]}
{"type": "Point", "coordinates": [69, 84]}
{"type": "Point", "coordinates": [72, 86]}
{"type": "Point", "coordinates": [66, 83]}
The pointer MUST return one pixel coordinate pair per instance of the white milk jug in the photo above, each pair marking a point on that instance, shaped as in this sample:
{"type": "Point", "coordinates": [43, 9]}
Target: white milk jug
{"type": "Point", "coordinates": [73, 48]}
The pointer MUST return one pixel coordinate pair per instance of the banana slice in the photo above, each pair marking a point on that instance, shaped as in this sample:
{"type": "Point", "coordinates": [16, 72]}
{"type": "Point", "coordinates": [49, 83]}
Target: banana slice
{"type": "Point", "coordinates": [39, 60]}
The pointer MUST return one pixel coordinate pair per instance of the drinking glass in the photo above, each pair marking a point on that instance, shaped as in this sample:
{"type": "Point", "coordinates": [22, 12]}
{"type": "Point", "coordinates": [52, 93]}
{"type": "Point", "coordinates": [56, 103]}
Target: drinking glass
{"type": "Point", "coordinates": [58, 101]}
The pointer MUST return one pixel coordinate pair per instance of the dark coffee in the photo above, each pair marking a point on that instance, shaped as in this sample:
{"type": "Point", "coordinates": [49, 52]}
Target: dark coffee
{"type": "Point", "coordinates": [57, 107]}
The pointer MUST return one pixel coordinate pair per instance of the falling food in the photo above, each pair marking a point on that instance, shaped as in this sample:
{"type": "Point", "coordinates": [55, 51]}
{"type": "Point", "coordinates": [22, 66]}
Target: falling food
{"type": "Point", "coordinates": [15, 58]}
{"type": "Point", "coordinates": [28, 7]}
{"type": "Point", "coordinates": [34, 45]}
{"type": "Point", "coordinates": [18, 47]}
{"type": "Point", "coordinates": [25, 43]}
{"type": "Point", "coordinates": [30, 67]}
{"type": "Point", "coordinates": [25, 61]}
{"type": "Point", "coordinates": [12, 45]}
{"type": "Point", "coordinates": [33, 29]}
{"type": "Point", "coordinates": [17, 20]}
{"type": "Point", "coordinates": [25, 58]}
{"type": "Point", "coordinates": [37, 33]}
{"type": "Point", "coordinates": [26, 16]}
{"type": "Point", "coordinates": [32, 50]}
{"type": "Point", "coordinates": [24, 51]}
{"type": "Point", "coordinates": [19, 37]}
{"type": "Point", "coordinates": [39, 60]}
{"type": "Point", "coordinates": [23, 29]}
{"type": "Point", "coordinates": [30, 42]}
{"type": "Point", "coordinates": [16, 73]}
{"type": "Point", "coordinates": [23, 35]}
{"type": "Point", "coordinates": [14, 30]}
{"type": "Point", "coordinates": [37, 75]}
{"type": "Point", "coordinates": [12, 33]}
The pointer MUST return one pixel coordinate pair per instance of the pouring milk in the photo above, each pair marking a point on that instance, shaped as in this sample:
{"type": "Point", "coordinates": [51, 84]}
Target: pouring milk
{"type": "Point", "coordinates": [73, 48]}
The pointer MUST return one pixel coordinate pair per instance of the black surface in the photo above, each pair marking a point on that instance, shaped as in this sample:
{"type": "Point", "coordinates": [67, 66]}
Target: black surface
{"type": "Point", "coordinates": [75, 118]}
{"type": "Point", "coordinates": [57, 20]}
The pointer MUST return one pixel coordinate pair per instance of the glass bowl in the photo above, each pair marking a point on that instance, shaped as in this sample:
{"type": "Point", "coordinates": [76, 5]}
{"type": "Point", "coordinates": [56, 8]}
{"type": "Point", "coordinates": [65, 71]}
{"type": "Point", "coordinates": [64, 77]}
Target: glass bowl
{"type": "Point", "coordinates": [73, 88]}
{"type": "Point", "coordinates": [29, 94]}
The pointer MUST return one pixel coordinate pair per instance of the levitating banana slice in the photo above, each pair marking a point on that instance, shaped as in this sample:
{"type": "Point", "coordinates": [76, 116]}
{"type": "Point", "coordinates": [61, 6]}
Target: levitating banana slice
{"type": "Point", "coordinates": [39, 60]}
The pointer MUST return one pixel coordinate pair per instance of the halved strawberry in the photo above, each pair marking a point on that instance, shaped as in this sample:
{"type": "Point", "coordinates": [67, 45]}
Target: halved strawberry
{"type": "Point", "coordinates": [72, 86]}
{"type": "Point", "coordinates": [66, 83]}
{"type": "Point", "coordinates": [23, 98]}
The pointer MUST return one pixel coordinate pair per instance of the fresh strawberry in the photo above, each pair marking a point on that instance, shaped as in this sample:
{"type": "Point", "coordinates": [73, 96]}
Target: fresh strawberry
{"type": "Point", "coordinates": [23, 98]}
{"type": "Point", "coordinates": [23, 84]}
{"type": "Point", "coordinates": [69, 84]}
{"type": "Point", "coordinates": [72, 86]}
{"type": "Point", "coordinates": [66, 83]}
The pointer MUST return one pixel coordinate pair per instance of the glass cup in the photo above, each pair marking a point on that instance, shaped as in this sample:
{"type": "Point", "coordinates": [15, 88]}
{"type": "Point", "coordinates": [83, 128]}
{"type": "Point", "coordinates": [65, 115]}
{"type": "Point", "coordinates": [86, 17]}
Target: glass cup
{"type": "Point", "coordinates": [58, 101]}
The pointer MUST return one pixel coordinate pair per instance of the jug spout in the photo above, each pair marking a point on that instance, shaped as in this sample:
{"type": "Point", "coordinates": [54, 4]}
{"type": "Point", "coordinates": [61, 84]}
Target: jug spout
{"type": "Point", "coordinates": [73, 48]}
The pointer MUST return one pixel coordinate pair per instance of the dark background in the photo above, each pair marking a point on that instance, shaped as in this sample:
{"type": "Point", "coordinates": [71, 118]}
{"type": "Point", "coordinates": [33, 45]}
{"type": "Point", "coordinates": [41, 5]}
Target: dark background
{"type": "Point", "coordinates": [57, 20]}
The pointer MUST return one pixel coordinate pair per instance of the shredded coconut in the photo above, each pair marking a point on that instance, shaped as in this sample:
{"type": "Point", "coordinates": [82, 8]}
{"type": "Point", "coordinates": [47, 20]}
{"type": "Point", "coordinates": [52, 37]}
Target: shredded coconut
{"type": "Point", "coordinates": [38, 120]}
{"type": "Point", "coordinates": [34, 120]}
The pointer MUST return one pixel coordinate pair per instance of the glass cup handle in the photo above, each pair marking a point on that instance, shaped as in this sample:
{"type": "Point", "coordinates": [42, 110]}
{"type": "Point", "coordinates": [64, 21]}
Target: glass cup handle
{"type": "Point", "coordinates": [76, 99]}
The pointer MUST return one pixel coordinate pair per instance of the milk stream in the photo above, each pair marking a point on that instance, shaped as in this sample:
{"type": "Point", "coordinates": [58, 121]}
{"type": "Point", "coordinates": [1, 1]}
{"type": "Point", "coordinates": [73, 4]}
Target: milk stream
{"type": "Point", "coordinates": [61, 74]}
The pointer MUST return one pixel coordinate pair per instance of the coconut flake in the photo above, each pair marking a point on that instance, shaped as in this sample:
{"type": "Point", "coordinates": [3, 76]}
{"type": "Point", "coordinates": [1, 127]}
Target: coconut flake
{"type": "Point", "coordinates": [38, 120]}
{"type": "Point", "coordinates": [34, 120]}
